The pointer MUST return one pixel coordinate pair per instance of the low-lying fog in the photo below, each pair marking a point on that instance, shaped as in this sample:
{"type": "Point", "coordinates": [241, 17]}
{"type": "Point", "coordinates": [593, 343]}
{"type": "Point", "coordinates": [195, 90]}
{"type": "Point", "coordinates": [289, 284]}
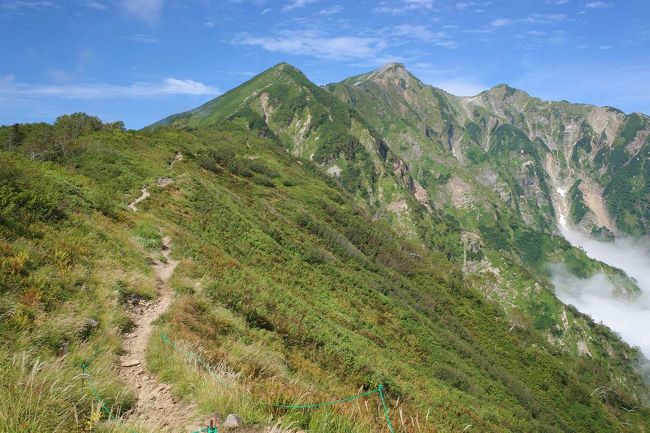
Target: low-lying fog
{"type": "Point", "coordinates": [628, 316]}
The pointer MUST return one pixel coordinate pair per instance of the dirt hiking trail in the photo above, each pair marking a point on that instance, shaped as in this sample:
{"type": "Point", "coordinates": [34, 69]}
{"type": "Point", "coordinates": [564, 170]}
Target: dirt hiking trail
{"type": "Point", "coordinates": [143, 196]}
{"type": "Point", "coordinates": [155, 408]}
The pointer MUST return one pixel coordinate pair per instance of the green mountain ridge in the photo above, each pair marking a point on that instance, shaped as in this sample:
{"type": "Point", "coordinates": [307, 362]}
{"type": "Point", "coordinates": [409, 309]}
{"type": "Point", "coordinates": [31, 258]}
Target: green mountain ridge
{"type": "Point", "coordinates": [328, 239]}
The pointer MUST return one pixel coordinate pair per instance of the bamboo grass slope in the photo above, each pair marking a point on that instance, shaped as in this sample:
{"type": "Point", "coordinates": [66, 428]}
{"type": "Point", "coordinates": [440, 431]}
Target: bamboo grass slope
{"type": "Point", "coordinates": [294, 284]}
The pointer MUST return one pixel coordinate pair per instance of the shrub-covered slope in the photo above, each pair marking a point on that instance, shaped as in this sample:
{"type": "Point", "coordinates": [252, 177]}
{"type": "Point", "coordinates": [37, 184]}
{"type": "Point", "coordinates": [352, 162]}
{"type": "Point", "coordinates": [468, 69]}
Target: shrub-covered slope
{"type": "Point", "coordinates": [288, 285]}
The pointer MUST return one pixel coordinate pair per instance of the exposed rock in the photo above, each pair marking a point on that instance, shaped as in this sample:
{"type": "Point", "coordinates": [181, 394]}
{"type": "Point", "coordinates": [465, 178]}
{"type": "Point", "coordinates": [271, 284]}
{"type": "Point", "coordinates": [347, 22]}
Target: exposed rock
{"type": "Point", "coordinates": [334, 170]}
{"type": "Point", "coordinates": [266, 108]}
{"type": "Point", "coordinates": [164, 181]}
{"type": "Point", "coordinates": [421, 194]}
{"type": "Point", "coordinates": [398, 206]}
{"type": "Point", "coordinates": [232, 421]}
{"type": "Point", "coordinates": [583, 349]}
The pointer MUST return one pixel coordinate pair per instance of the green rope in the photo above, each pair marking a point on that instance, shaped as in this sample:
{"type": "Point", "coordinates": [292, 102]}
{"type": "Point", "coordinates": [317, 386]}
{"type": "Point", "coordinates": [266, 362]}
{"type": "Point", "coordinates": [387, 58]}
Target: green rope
{"type": "Point", "coordinates": [95, 393]}
{"type": "Point", "coordinates": [329, 403]}
{"type": "Point", "coordinates": [93, 390]}
{"type": "Point", "coordinates": [380, 388]}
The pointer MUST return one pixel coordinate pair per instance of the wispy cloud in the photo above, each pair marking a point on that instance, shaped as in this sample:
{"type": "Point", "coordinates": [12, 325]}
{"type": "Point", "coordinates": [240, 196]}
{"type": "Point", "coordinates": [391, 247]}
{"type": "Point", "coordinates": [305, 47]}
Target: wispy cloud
{"type": "Point", "coordinates": [331, 10]}
{"type": "Point", "coordinates": [450, 80]}
{"type": "Point", "coordinates": [95, 5]}
{"type": "Point", "coordinates": [588, 82]}
{"type": "Point", "coordinates": [169, 86]}
{"type": "Point", "coordinates": [142, 38]}
{"type": "Point", "coordinates": [598, 5]}
{"type": "Point", "coordinates": [464, 5]}
{"type": "Point", "coordinates": [15, 5]}
{"type": "Point", "coordinates": [145, 10]}
{"type": "Point", "coordinates": [316, 44]}
{"type": "Point", "coordinates": [532, 19]}
{"type": "Point", "coordinates": [460, 87]}
{"type": "Point", "coordinates": [402, 6]}
{"type": "Point", "coordinates": [423, 34]}
{"type": "Point", "coordinates": [295, 4]}
{"type": "Point", "coordinates": [535, 38]}
{"type": "Point", "coordinates": [500, 22]}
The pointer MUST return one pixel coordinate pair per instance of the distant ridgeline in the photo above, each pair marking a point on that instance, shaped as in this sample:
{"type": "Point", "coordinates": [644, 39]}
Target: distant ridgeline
{"type": "Point", "coordinates": [329, 239]}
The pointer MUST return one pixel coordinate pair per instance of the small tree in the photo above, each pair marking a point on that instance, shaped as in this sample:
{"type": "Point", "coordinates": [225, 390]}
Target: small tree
{"type": "Point", "coordinates": [70, 127]}
{"type": "Point", "coordinates": [16, 136]}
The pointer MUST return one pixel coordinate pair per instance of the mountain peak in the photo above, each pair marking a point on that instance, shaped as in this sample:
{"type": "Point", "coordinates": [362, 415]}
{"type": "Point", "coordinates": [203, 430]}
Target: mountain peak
{"type": "Point", "coordinates": [504, 90]}
{"type": "Point", "coordinates": [393, 69]}
{"type": "Point", "coordinates": [284, 66]}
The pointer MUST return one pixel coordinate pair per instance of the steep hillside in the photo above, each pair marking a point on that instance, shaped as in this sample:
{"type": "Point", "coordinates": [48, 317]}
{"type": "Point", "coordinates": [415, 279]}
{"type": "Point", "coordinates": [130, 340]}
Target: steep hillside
{"type": "Point", "coordinates": [395, 144]}
{"type": "Point", "coordinates": [311, 123]}
{"type": "Point", "coordinates": [286, 285]}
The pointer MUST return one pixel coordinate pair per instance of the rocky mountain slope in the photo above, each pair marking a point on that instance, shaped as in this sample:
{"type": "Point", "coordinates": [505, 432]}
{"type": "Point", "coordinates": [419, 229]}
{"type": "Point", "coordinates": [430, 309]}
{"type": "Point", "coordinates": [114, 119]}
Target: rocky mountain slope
{"type": "Point", "coordinates": [314, 257]}
{"type": "Point", "coordinates": [546, 160]}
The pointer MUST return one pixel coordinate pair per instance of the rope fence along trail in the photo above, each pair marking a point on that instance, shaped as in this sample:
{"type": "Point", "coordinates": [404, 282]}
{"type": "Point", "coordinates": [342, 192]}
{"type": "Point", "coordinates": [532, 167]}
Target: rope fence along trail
{"type": "Point", "coordinates": [93, 389]}
{"type": "Point", "coordinates": [379, 390]}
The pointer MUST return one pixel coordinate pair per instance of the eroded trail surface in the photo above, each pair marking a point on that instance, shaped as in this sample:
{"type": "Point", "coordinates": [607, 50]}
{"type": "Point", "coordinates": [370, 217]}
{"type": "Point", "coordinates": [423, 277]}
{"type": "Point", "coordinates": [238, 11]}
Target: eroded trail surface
{"type": "Point", "coordinates": [143, 196]}
{"type": "Point", "coordinates": [155, 409]}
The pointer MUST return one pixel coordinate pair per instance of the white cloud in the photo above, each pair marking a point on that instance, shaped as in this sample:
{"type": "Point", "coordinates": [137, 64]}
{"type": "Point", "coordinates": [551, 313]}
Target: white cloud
{"type": "Point", "coordinates": [598, 297]}
{"type": "Point", "coordinates": [598, 5]}
{"type": "Point", "coordinates": [185, 87]}
{"type": "Point", "coordinates": [145, 10]}
{"type": "Point", "coordinates": [464, 5]}
{"type": "Point", "coordinates": [59, 75]}
{"type": "Point", "coordinates": [294, 4]}
{"type": "Point", "coordinates": [532, 19]}
{"type": "Point", "coordinates": [95, 5]}
{"type": "Point", "coordinates": [423, 34]}
{"type": "Point", "coordinates": [145, 39]}
{"type": "Point", "coordinates": [331, 10]}
{"type": "Point", "coordinates": [500, 22]}
{"type": "Point", "coordinates": [460, 87]}
{"type": "Point", "coordinates": [14, 5]}
{"type": "Point", "coordinates": [418, 4]}
{"type": "Point", "coordinates": [402, 6]}
{"type": "Point", "coordinates": [315, 44]}
{"type": "Point", "coordinates": [169, 86]}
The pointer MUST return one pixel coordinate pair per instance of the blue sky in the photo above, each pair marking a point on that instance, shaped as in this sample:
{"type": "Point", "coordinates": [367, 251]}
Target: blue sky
{"type": "Point", "coordinates": [140, 60]}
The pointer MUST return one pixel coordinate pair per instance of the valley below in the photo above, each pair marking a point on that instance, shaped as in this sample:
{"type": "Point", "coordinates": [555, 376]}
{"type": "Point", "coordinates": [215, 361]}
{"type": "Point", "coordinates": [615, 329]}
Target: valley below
{"type": "Point", "coordinates": [628, 314]}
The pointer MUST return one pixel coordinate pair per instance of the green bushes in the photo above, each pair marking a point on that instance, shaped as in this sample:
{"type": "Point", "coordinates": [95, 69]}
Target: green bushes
{"type": "Point", "coordinates": [148, 236]}
{"type": "Point", "coordinates": [578, 208]}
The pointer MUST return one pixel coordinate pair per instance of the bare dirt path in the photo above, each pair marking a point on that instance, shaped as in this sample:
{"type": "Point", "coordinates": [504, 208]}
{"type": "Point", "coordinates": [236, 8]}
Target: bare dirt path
{"type": "Point", "coordinates": [143, 196]}
{"type": "Point", "coordinates": [155, 408]}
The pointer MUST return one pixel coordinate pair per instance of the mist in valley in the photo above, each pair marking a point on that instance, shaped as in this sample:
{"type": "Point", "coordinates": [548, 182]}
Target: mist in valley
{"type": "Point", "coordinates": [629, 316]}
